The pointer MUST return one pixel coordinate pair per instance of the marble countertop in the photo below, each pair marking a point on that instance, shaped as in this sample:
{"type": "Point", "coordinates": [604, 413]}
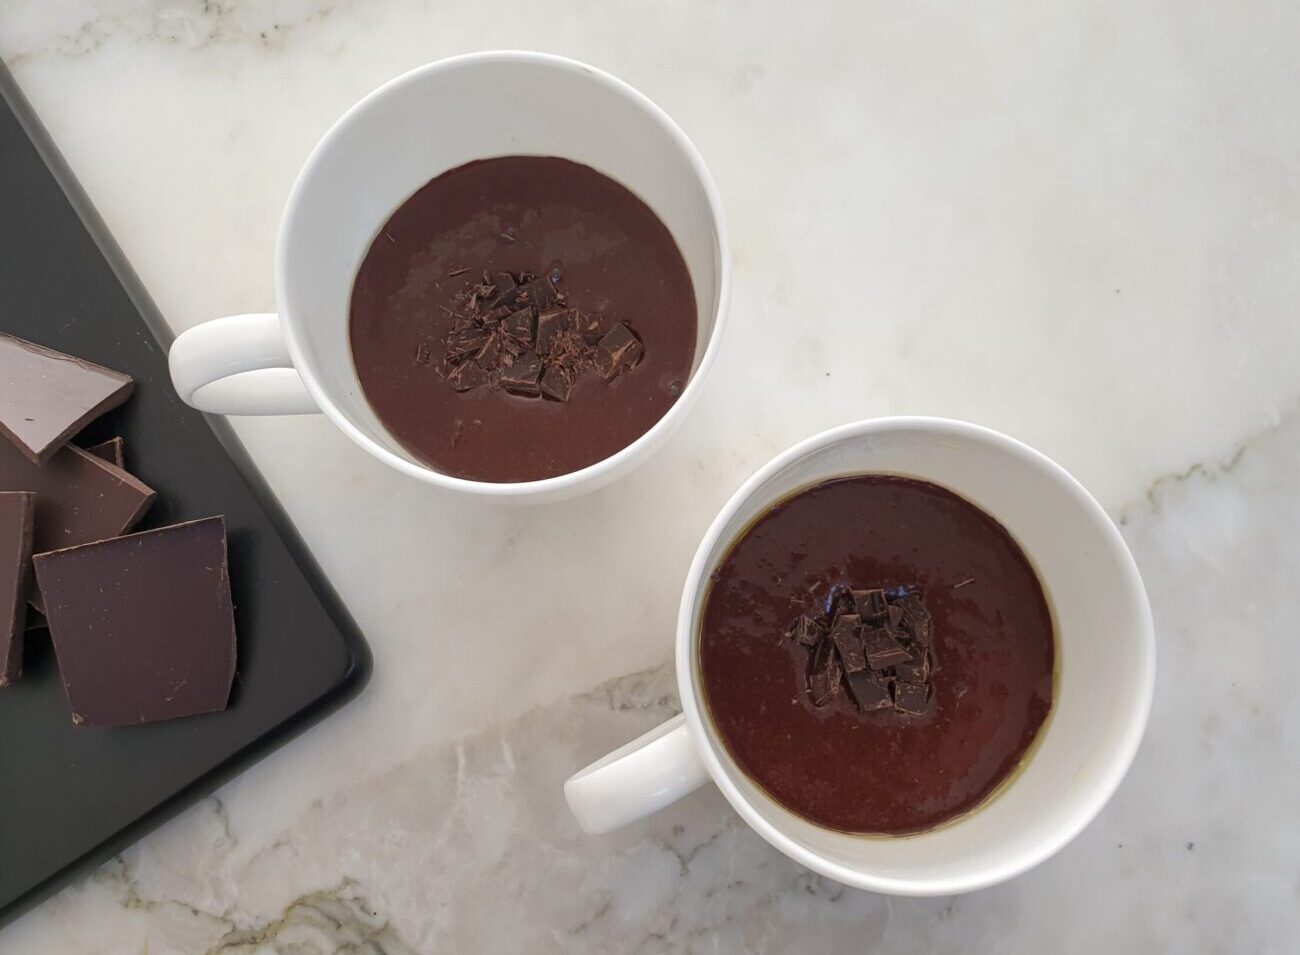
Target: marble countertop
{"type": "Point", "coordinates": [1079, 224]}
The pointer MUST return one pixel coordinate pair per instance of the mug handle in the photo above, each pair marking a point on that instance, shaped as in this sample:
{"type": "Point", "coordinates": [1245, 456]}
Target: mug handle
{"type": "Point", "coordinates": [637, 779]}
{"type": "Point", "coordinates": [238, 365]}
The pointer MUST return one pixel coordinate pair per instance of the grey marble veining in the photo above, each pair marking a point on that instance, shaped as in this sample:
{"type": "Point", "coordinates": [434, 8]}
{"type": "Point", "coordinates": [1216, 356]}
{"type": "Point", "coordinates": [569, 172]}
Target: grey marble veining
{"type": "Point", "coordinates": [1076, 223]}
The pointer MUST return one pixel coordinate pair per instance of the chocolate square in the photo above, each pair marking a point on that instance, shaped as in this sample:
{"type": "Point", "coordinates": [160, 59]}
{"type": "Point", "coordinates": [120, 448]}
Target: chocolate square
{"type": "Point", "coordinates": [142, 625]}
{"type": "Point", "coordinates": [847, 636]}
{"type": "Point", "coordinates": [807, 631]}
{"type": "Point", "coordinates": [913, 698]}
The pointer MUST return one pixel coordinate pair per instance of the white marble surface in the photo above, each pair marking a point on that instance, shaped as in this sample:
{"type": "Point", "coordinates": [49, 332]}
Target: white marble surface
{"type": "Point", "coordinates": [1076, 223]}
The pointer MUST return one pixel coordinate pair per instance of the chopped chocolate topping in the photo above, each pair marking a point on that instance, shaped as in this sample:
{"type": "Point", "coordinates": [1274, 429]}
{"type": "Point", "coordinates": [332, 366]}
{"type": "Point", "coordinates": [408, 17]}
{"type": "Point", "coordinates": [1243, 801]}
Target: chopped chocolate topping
{"type": "Point", "coordinates": [870, 690]}
{"type": "Point", "coordinates": [506, 325]}
{"type": "Point", "coordinates": [883, 650]}
{"type": "Point", "coordinates": [911, 697]}
{"type": "Point", "coordinates": [549, 322]}
{"type": "Point", "coordinates": [557, 382]}
{"type": "Point", "coordinates": [523, 377]}
{"type": "Point", "coordinates": [823, 674]}
{"type": "Point", "coordinates": [807, 631]}
{"type": "Point", "coordinates": [519, 325]}
{"type": "Point", "coordinates": [467, 376]}
{"type": "Point", "coordinates": [617, 352]}
{"type": "Point", "coordinates": [878, 647]}
{"type": "Point", "coordinates": [871, 605]}
{"type": "Point", "coordinates": [916, 669]}
{"type": "Point", "coordinates": [847, 635]}
{"type": "Point", "coordinates": [464, 342]}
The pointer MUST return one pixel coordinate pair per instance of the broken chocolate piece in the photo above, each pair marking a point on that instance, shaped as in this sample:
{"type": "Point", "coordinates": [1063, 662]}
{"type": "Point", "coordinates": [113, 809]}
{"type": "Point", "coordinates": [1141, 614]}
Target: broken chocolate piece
{"type": "Point", "coordinates": [557, 382]}
{"type": "Point", "coordinates": [840, 601]}
{"type": "Point", "coordinates": [550, 322]}
{"type": "Point", "coordinates": [520, 326]}
{"type": "Point", "coordinates": [112, 451]}
{"type": "Point", "coordinates": [882, 649]}
{"type": "Point", "coordinates": [870, 690]}
{"type": "Point", "coordinates": [503, 282]}
{"type": "Point", "coordinates": [523, 376]}
{"type": "Point", "coordinates": [467, 376]}
{"type": "Point", "coordinates": [916, 617]}
{"type": "Point", "coordinates": [807, 631]}
{"type": "Point", "coordinates": [538, 292]}
{"type": "Point", "coordinates": [895, 618]}
{"type": "Point", "coordinates": [465, 343]}
{"type": "Point", "coordinates": [79, 498]}
{"type": "Point", "coordinates": [47, 396]}
{"type": "Point", "coordinates": [871, 605]}
{"type": "Point", "coordinates": [847, 636]}
{"type": "Point", "coordinates": [823, 674]}
{"type": "Point", "coordinates": [17, 510]}
{"type": "Point", "coordinates": [617, 352]}
{"type": "Point", "coordinates": [916, 669]}
{"type": "Point", "coordinates": [911, 698]}
{"type": "Point", "coordinates": [142, 625]}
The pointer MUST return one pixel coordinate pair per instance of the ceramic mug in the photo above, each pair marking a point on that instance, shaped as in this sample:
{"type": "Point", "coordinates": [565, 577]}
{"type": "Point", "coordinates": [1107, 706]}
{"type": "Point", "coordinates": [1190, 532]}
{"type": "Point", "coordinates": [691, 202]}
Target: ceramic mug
{"type": "Point", "coordinates": [405, 133]}
{"type": "Point", "coordinates": [1105, 670]}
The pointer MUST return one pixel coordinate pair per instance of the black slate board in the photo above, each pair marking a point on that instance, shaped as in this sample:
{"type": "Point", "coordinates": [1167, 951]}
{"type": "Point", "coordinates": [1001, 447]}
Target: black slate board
{"type": "Point", "coordinates": [72, 797]}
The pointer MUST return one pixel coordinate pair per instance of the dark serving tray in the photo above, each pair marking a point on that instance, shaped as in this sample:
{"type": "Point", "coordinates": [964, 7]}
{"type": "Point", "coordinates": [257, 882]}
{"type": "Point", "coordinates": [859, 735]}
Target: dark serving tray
{"type": "Point", "coordinates": [72, 797]}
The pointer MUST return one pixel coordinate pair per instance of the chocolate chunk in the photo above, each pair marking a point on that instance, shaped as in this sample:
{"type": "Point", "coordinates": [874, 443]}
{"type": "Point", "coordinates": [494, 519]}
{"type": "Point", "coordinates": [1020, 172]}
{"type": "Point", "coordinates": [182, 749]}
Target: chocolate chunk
{"type": "Point", "coordinates": [807, 631]}
{"type": "Point", "coordinates": [882, 649]}
{"type": "Point", "coordinates": [823, 674]}
{"type": "Point", "coordinates": [47, 396]}
{"type": "Point", "coordinates": [917, 668]}
{"type": "Point", "coordinates": [871, 605]}
{"type": "Point", "coordinates": [870, 691]}
{"type": "Point", "coordinates": [916, 617]}
{"type": "Point", "coordinates": [521, 326]}
{"type": "Point", "coordinates": [112, 451]}
{"type": "Point", "coordinates": [847, 636]}
{"type": "Point", "coordinates": [465, 343]}
{"type": "Point", "coordinates": [142, 625]}
{"type": "Point", "coordinates": [489, 356]}
{"type": "Point", "coordinates": [550, 322]}
{"type": "Point", "coordinates": [617, 352]}
{"type": "Point", "coordinates": [17, 510]}
{"type": "Point", "coordinates": [523, 376]}
{"type": "Point", "coordinates": [913, 698]}
{"type": "Point", "coordinates": [839, 601]}
{"type": "Point", "coordinates": [538, 292]}
{"type": "Point", "coordinates": [79, 498]}
{"type": "Point", "coordinates": [467, 376]}
{"type": "Point", "coordinates": [557, 382]}
{"type": "Point", "coordinates": [502, 283]}
{"type": "Point", "coordinates": [895, 621]}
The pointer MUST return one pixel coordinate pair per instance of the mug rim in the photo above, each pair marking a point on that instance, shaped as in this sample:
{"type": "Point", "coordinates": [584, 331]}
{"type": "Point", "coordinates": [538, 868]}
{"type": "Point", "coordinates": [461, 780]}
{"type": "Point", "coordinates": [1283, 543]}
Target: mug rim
{"type": "Point", "coordinates": [558, 485]}
{"type": "Point", "coordinates": [1121, 752]}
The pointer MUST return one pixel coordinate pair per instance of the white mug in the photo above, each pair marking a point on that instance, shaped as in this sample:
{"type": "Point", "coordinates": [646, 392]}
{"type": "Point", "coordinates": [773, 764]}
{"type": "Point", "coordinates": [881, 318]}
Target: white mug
{"type": "Point", "coordinates": [408, 131]}
{"type": "Point", "coordinates": [1105, 670]}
